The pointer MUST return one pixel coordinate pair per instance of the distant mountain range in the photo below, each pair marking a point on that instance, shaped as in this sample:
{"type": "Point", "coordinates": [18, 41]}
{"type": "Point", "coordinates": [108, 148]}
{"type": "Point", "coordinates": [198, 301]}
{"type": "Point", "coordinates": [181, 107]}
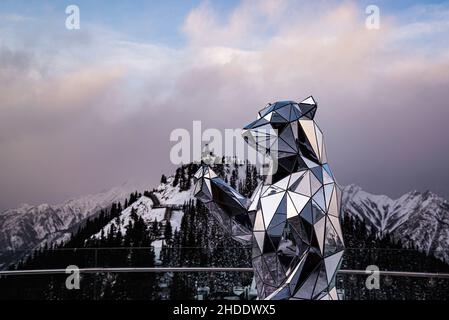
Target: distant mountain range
{"type": "Point", "coordinates": [28, 227]}
{"type": "Point", "coordinates": [417, 219]}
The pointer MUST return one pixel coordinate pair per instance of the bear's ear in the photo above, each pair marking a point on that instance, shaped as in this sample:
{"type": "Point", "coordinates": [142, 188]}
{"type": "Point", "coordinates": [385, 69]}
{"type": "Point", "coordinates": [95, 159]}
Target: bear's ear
{"type": "Point", "coordinates": [308, 107]}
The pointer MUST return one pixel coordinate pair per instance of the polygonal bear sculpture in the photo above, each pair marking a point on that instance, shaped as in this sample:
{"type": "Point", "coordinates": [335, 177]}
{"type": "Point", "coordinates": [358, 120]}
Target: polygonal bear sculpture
{"type": "Point", "coordinates": [293, 218]}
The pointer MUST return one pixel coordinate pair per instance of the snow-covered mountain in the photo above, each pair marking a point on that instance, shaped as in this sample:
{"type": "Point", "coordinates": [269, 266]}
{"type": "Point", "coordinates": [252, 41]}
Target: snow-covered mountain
{"type": "Point", "coordinates": [164, 205]}
{"type": "Point", "coordinates": [167, 206]}
{"type": "Point", "coordinates": [417, 219]}
{"type": "Point", "coordinates": [28, 227]}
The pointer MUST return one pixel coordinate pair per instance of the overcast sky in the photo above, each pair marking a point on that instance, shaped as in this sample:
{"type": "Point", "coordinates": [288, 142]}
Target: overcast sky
{"type": "Point", "coordinates": [85, 110]}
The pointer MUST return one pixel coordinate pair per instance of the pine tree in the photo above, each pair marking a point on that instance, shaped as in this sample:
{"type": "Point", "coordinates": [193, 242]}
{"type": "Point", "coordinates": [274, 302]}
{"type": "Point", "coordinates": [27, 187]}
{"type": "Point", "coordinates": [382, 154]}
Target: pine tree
{"type": "Point", "coordinates": [190, 173]}
{"type": "Point", "coordinates": [182, 179]}
{"type": "Point", "coordinates": [176, 178]}
{"type": "Point", "coordinates": [255, 178]}
{"type": "Point", "coordinates": [168, 232]}
{"type": "Point", "coordinates": [233, 180]}
{"type": "Point", "coordinates": [155, 229]}
{"type": "Point", "coordinates": [248, 188]}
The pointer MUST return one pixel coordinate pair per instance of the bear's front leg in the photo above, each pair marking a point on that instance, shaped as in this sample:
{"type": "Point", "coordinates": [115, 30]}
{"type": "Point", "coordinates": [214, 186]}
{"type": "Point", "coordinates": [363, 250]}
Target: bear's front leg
{"type": "Point", "coordinates": [224, 202]}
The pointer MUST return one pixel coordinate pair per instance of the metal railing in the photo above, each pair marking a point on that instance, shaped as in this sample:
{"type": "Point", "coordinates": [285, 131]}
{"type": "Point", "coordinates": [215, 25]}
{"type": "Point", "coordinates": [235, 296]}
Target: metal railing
{"type": "Point", "coordinates": [212, 269]}
{"type": "Point", "coordinates": [402, 276]}
{"type": "Point", "coordinates": [95, 260]}
{"type": "Point", "coordinates": [125, 270]}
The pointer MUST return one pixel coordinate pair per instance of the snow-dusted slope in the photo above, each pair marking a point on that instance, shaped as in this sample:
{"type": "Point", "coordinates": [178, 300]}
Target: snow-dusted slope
{"type": "Point", "coordinates": [169, 195]}
{"type": "Point", "coordinates": [144, 208]}
{"type": "Point", "coordinates": [168, 206]}
{"type": "Point", "coordinates": [170, 198]}
{"type": "Point", "coordinates": [28, 227]}
{"type": "Point", "coordinates": [378, 211]}
{"type": "Point", "coordinates": [417, 219]}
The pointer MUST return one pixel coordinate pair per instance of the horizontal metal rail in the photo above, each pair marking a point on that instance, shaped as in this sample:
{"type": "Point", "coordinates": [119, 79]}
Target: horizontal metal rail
{"type": "Point", "coordinates": [195, 247]}
{"type": "Point", "coordinates": [209, 269]}
{"type": "Point", "coordinates": [398, 273]}
{"type": "Point", "coordinates": [125, 270]}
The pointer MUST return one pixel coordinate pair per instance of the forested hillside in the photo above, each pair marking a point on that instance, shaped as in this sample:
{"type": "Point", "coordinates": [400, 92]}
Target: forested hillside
{"type": "Point", "coordinates": [138, 241]}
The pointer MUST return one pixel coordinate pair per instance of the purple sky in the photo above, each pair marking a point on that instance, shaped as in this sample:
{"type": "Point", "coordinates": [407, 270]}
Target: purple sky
{"type": "Point", "coordinates": [81, 111]}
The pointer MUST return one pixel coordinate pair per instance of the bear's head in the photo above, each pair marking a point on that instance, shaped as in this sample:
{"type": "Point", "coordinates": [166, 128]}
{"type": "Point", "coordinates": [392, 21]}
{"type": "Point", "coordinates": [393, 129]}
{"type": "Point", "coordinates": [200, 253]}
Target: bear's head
{"type": "Point", "coordinates": [286, 132]}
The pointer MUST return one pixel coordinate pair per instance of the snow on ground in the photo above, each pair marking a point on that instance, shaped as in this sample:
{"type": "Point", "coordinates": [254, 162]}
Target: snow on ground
{"type": "Point", "coordinates": [167, 194]}
{"type": "Point", "coordinates": [157, 245]}
{"type": "Point", "coordinates": [143, 207]}
{"type": "Point", "coordinates": [156, 214]}
{"type": "Point", "coordinates": [176, 217]}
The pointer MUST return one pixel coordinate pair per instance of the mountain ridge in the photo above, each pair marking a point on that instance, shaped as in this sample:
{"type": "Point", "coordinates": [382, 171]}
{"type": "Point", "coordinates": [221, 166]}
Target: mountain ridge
{"type": "Point", "coordinates": [28, 227]}
{"type": "Point", "coordinates": [417, 219]}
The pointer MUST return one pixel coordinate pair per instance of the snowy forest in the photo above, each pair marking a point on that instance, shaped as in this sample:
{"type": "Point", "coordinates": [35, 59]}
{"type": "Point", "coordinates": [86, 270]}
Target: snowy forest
{"type": "Point", "coordinates": [201, 242]}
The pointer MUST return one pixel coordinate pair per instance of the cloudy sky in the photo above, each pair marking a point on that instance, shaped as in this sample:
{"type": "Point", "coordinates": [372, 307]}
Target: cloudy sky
{"type": "Point", "coordinates": [85, 110]}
